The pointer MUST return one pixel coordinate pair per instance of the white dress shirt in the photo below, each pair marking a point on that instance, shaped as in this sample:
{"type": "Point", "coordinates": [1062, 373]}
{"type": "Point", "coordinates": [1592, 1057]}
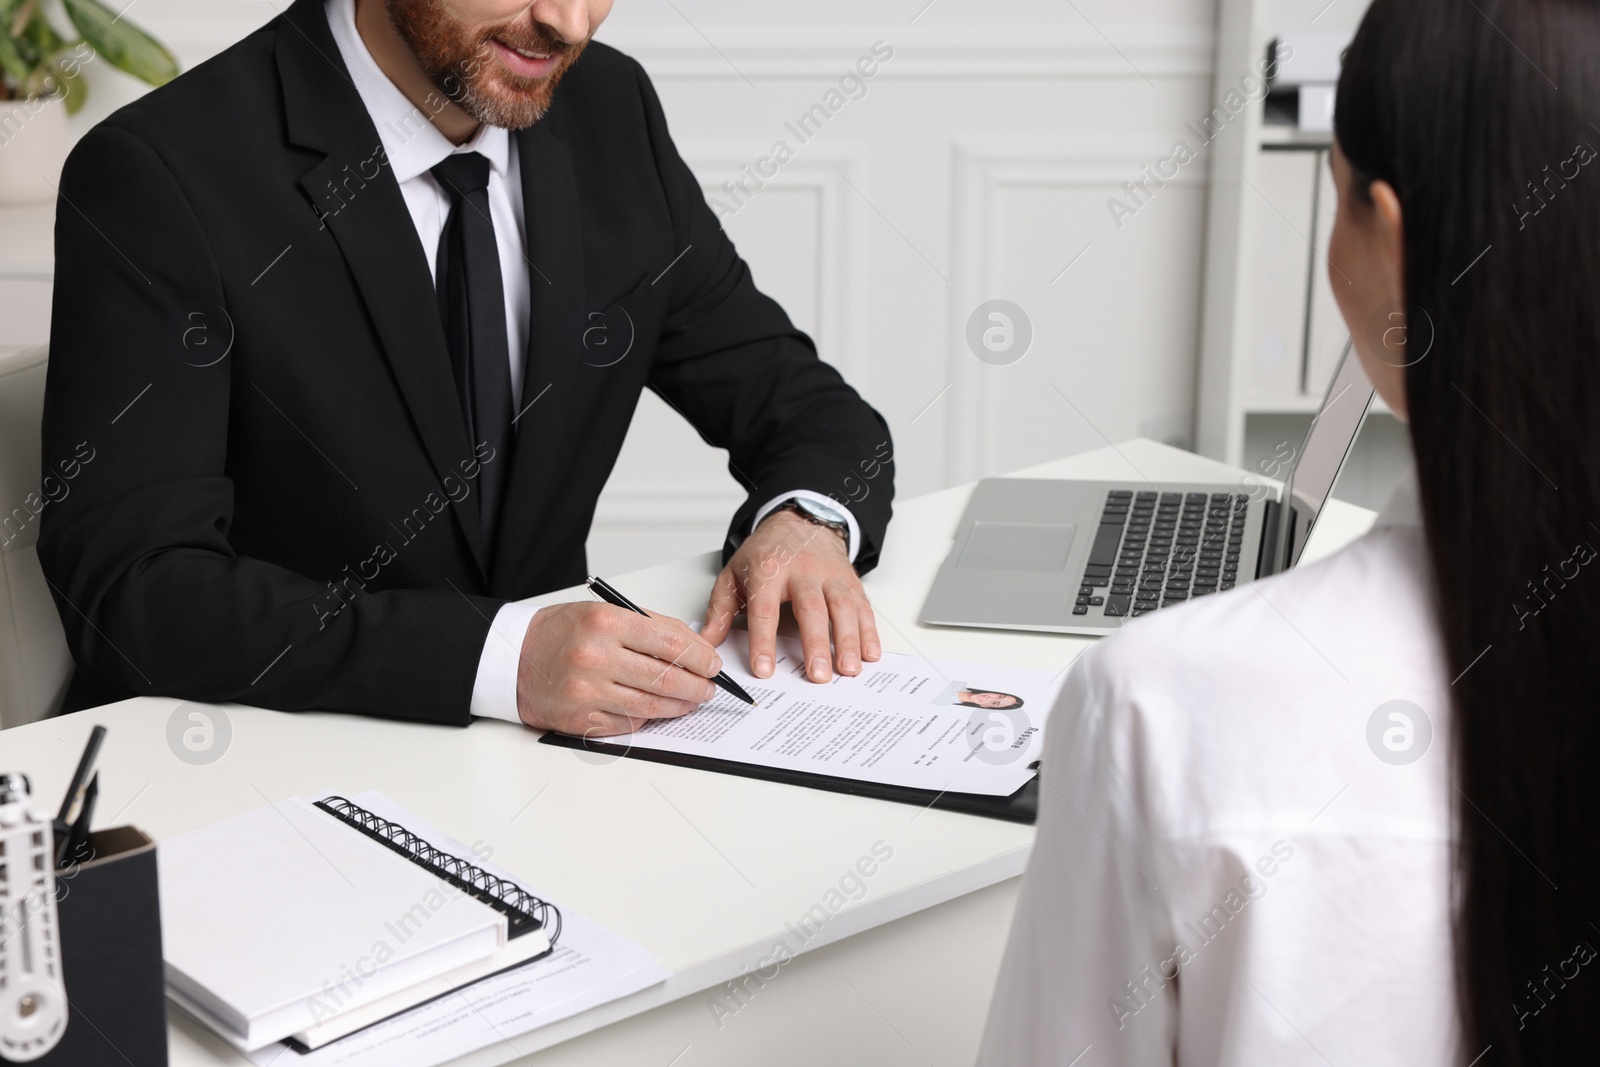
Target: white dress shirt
{"type": "Point", "coordinates": [1226, 871]}
{"type": "Point", "coordinates": [414, 146]}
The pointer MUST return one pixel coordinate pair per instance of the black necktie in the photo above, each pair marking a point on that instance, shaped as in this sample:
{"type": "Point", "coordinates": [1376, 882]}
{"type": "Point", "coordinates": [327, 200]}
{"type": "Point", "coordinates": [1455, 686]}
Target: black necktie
{"type": "Point", "coordinates": [472, 305]}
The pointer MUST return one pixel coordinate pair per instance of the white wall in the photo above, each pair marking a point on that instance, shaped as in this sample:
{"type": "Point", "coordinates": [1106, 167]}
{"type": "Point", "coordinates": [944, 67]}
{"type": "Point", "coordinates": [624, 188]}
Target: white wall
{"type": "Point", "coordinates": [977, 166]}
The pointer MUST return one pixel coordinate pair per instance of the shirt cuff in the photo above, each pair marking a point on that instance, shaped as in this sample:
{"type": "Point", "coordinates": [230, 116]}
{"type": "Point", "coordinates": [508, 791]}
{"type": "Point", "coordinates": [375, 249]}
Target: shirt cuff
{"type": "Point", "coordinates": [816, 498]}
{"type": "Point", "coordinates": [494, 692]}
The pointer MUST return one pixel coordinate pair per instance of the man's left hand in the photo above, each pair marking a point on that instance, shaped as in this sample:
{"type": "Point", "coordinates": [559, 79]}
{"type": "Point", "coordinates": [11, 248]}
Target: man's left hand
{"type": "Point", "coordinates": [787, 558]}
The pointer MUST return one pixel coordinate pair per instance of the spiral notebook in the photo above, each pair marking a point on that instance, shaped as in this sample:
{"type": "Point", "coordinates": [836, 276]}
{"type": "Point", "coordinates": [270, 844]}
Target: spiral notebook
{"type": "Point", "coordinates": [307, 921]}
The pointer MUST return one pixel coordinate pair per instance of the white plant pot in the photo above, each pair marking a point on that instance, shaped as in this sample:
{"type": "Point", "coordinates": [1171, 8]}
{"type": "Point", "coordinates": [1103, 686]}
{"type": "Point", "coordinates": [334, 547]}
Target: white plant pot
{"type": "Point", "coordinates": [33, 146]}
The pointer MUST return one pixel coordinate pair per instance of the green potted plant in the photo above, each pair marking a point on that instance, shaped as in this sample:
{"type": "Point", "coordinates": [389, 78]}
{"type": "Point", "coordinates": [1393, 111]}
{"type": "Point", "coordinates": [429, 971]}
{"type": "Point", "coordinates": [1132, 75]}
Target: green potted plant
{"type": "Point", "coordinates": [42, 60]}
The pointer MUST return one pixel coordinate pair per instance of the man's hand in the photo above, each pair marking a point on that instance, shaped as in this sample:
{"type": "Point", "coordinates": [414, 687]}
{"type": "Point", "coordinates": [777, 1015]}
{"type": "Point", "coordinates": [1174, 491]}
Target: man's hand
{"type": "Point", "coordinates": [592, 670]}
{"type": "Point", "coordinates": [787, 558]}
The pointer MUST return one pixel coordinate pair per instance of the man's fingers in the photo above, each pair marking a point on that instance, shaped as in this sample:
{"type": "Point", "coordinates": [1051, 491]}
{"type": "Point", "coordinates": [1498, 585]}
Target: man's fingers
{"type": "Point", "coordinates": [598, 724]}
{"type": "Point", "coordinates": [641, 706]}
{"type": "Point", "coordinates": [761, 616]}
{"type": "Point", "coordinates": [606, 670]}
{"type": "Point", "coordinates": [811, 613]}
{"type": "Point", "coordinates": [844, 610]}
{"type": "Point", "coordinates": [871, 646]}
{"type": "Point", "coordinates": [671, 641]}
{"type": "Point", "coordinates": [661, 678]}
{"type": "Point", "coordinates": [723, 607]}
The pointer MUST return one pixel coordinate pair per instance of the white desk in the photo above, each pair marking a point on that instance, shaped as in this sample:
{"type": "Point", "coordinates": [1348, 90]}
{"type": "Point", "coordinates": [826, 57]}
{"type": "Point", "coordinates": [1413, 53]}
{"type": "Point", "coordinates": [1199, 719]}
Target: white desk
{"type": "Point", "coordinates": [703, 869]}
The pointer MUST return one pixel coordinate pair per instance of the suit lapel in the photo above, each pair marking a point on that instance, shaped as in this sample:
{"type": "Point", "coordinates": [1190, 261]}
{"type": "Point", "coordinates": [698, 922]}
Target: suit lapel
{"type": "Point", "coordinates": [360, 204]}
{"type": "Point", "coordinates": [555, 332]}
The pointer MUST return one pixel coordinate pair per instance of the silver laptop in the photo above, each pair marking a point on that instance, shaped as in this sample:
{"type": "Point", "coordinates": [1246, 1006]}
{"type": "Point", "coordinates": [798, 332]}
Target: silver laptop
{"type": "Point", "coordinates": [1083, 557]}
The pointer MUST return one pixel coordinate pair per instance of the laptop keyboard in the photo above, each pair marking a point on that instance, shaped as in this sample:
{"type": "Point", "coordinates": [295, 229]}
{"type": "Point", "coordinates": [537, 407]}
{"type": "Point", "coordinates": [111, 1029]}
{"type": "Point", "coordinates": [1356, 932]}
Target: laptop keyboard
{"type": "Point", "coordinates": [1153, 550]}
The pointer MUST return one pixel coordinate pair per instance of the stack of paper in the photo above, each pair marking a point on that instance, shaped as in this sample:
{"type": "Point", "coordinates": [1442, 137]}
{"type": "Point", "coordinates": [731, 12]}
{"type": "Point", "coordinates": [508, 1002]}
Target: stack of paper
{"type": "Point", "coordinates": [590, 966]}
{"type": "Point", "coordinates": [285, 921]}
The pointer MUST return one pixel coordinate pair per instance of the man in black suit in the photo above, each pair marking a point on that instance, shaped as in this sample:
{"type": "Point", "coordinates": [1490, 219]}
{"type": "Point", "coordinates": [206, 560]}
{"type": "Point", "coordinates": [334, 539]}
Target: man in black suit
{"type": "Point", "coordinates": [355, 317]}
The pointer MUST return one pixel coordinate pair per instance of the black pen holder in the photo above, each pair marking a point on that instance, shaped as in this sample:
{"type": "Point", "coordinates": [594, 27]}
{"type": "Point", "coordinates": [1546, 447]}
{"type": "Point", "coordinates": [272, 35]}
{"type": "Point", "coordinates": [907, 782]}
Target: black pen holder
{"type": "Point", "coordinates": [109, 914]}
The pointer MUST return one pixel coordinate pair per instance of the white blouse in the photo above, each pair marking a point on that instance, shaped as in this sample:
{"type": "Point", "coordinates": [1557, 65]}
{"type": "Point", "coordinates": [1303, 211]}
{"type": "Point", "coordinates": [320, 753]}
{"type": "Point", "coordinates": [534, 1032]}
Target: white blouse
{"type": "Point", "coordinates": [1244, 838]}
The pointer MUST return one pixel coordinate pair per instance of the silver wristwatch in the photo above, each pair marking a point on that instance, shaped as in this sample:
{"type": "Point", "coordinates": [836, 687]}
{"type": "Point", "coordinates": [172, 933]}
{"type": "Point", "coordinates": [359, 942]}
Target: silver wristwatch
{"type": "Point", "coordinates": [817, 513]}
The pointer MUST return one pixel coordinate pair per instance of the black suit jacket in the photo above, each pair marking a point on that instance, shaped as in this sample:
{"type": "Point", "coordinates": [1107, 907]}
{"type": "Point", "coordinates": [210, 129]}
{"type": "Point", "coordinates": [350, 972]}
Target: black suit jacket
{"type": "Point", "coordinates": [280, 505]}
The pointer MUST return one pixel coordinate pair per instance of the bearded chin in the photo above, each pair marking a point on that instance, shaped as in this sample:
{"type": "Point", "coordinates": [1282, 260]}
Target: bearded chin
{"type": "Point", "coordinates": [511, 108]}
{"type": "Point", "coordinates": [465, 72]}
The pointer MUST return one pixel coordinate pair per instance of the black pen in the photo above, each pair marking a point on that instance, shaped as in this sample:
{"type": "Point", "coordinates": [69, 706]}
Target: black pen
{"type": "Point", "coordinates": [78, 838]}
{"type": "Point", "coordinates": [603, 590]}
{"type": "Point", "coordinates": [74, 797]}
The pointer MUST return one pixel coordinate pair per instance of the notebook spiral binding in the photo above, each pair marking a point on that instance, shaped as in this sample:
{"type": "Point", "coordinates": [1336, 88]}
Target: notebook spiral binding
{"type": "Point", "coordinates": [524, 912]}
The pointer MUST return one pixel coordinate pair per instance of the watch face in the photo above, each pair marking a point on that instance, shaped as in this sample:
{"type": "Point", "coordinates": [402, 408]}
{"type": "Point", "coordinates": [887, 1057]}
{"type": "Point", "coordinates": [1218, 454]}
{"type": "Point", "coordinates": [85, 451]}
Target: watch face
{"type": "Point", "coordinates": [819, 511]}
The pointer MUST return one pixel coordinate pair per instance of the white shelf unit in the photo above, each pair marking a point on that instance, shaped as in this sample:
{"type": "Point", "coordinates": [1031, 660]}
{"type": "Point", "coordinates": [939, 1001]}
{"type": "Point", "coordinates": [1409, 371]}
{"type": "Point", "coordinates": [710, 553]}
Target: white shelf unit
{"type": "Point", "coordinates": [1270, 335]}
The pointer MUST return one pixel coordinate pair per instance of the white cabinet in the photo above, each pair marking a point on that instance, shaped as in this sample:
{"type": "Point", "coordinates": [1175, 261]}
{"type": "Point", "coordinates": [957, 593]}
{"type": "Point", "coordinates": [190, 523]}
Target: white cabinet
{"type": "Point", "coordinates": [1271, 334]}
{"type": "Point", "coordinates": [1279, 271]}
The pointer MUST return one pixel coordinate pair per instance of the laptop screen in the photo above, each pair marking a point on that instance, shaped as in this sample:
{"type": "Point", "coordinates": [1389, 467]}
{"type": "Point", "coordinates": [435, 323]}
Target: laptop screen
{"type": "Point", "coordinates": [1327, 444]}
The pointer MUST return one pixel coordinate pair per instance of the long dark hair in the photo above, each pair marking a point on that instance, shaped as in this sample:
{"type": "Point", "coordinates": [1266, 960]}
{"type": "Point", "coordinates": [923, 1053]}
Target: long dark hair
{"type": "Point", "coordinates": [1479, 115]}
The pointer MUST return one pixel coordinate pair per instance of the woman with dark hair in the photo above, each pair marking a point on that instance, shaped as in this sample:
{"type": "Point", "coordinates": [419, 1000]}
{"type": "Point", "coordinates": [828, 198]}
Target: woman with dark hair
{"type": "Point", "coordinates": [1348, 814]}
{"type": "Point", "coordinates": [970, 696]}
{"type": "Point", "coordinates": [987, 698]}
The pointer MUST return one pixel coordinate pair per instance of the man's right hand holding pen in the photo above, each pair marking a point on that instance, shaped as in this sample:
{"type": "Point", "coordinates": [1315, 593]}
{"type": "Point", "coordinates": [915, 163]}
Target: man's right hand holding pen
{"type": "Point", "coordinates": [594, 670]}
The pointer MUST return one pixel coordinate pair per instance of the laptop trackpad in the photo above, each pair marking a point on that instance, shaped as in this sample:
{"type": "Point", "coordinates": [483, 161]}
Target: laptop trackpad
{"type": "Point", "coordinates": [1017, 546]}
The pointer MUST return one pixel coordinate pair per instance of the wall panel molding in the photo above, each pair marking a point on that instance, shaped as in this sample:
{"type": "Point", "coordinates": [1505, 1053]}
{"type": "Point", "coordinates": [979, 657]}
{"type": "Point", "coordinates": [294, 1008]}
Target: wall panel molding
{"type": "Point", "coordinates": [825, 171]}
{"type": "Point", "coordinates": [954, 53]}
{"type": "Point", "coordinates": [983, 169]}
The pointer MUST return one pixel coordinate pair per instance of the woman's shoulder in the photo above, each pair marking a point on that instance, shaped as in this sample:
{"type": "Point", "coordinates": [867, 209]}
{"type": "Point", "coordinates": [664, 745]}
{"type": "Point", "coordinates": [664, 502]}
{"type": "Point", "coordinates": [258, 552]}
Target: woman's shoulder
{"type": "Point", "coordinates": [1369, 597]}
{"type": "Point", "coordinates": [1225, 709]}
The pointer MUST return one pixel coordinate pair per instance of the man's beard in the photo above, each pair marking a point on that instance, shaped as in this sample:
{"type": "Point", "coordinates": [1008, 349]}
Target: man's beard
{"type": "Point", "coordinates": [462, 63]}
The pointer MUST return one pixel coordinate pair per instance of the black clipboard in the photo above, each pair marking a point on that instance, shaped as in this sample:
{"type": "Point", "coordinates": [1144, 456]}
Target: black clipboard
{"type": "Point", "coordinates": [1021, 806]}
